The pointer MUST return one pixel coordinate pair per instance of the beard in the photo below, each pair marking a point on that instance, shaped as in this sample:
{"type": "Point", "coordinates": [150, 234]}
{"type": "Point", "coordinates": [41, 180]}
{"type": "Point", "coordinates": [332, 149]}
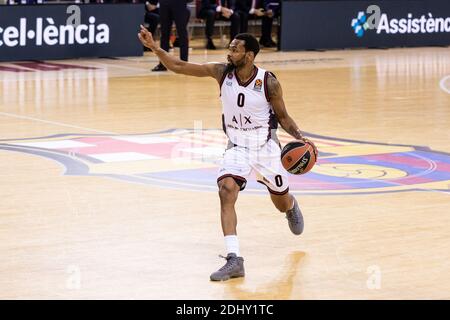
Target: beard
{"type": "Point", "coordinates": [231, 65]}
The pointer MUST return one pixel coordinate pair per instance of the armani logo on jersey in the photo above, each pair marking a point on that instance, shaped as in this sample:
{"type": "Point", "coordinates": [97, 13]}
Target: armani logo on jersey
{"type": "Point", "coordinates": [258, 85]}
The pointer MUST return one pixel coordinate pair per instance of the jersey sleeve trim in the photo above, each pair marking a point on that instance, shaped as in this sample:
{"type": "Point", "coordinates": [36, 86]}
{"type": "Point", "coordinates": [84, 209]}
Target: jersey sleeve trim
{"type": "Point", "coordinates": [266, 90]}
{"type": "Point", "coordinates": [222, 80]}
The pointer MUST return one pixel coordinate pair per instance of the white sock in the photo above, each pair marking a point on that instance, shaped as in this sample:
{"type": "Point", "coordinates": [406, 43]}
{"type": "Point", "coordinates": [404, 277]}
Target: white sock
{"type": "Point", "coordinates": [232, 244]}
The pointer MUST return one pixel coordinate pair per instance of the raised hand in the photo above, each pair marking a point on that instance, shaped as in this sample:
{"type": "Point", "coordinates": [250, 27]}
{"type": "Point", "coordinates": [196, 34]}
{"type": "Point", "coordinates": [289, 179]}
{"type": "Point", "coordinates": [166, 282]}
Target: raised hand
{"type": "Point", "coordinates": [146, 38]}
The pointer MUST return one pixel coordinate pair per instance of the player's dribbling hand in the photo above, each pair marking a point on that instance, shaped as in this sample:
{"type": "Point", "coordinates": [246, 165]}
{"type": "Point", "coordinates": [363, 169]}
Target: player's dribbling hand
{"type": "Point", "coordinates": [306, 140]}
{"type": "Point", "coordinates": [146, 38]}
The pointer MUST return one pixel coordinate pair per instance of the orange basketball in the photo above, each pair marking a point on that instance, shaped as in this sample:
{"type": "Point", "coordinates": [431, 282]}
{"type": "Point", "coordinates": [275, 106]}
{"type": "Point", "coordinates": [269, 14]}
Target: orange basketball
{"type": "Point", "coordinates": [298, 157]}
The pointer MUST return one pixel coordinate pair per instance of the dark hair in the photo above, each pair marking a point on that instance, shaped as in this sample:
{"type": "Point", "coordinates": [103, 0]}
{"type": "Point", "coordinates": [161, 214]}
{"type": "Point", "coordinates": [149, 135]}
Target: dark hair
{"type": "Point", "coordinates": [251, 44]}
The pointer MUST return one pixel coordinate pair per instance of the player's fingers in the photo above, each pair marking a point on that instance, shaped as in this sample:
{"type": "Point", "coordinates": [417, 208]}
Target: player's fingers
{"type": "Point", "coordinates": [316, 151]}
{"type": "Point", "coordinates": [144, 31]}
{"type": "Point", "coordinates": [143, 41]}
{"type": "Point", "coordinates": [310, 142]}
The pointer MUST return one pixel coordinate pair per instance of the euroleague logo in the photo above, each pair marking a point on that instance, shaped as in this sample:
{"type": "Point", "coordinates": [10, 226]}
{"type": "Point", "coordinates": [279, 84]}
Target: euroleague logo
{"type": "Point", "coordinates": [189, 159]}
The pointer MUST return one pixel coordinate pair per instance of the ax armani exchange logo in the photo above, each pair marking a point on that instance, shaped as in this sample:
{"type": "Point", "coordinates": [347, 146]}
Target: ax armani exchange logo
{"type": "Point", "coordinates": [190, 159]}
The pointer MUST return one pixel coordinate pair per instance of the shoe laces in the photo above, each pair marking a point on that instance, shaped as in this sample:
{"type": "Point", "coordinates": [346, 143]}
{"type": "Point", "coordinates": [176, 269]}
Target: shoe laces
{"type": "Point", "coordinates": [291, 216]}
{"type": "Point", "coordinates": [230, 263]}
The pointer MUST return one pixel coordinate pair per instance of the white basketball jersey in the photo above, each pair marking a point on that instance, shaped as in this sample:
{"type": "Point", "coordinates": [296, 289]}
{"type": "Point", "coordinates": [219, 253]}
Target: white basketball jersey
{"type": "Point", "coordinates": [247, 115]}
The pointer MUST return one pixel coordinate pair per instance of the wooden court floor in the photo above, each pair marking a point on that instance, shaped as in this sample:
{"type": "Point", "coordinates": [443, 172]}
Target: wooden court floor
{"type": "Point", "coordinates": [99, 201]}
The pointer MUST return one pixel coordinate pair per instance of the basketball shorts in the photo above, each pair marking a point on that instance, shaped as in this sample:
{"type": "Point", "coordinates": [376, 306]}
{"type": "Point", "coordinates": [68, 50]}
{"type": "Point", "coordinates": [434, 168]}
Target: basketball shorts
{"type": "Point", "coordinates": [238, 163]}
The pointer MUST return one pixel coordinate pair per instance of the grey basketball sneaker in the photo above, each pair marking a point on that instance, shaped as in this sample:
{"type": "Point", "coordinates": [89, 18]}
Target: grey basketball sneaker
{"type": "Point", "coordinates": [234, 268]}
{"type": "Point", "coordinates": [295, 219]}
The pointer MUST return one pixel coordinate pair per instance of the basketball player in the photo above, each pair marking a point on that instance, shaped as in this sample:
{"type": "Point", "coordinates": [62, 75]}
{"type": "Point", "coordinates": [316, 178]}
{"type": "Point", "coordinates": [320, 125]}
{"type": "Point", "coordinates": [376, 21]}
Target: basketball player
{"type": "Point", "coordinates": [253, 105]}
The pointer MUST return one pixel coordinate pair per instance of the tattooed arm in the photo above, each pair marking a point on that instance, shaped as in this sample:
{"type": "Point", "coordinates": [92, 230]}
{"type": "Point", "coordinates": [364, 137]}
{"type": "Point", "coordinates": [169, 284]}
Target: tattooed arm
{"type": "Point", "coordinates": [277, 102]}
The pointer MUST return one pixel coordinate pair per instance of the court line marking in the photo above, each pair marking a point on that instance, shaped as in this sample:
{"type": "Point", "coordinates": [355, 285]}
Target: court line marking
{"type": "Point", "coordinates": [61, 124]}
{"type": "Point", "coordinates": [429, 161]}
{"type": "Point", "coordinates": [442, 84]}
{"type": "Point", "coordinates": [111, 65]}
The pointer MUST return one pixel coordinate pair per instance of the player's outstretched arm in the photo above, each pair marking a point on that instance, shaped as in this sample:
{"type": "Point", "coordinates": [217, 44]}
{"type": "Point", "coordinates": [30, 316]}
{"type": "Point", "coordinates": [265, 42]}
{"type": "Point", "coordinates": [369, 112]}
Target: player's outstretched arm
{"type": "Point", "coordinates": [176, 65]}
